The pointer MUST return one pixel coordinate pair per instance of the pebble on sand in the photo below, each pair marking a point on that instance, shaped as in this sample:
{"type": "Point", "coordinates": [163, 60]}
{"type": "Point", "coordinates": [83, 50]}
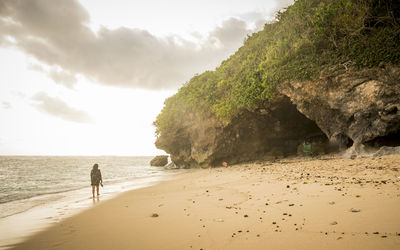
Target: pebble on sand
{"type": "Point", "coordinates": [154, 215]}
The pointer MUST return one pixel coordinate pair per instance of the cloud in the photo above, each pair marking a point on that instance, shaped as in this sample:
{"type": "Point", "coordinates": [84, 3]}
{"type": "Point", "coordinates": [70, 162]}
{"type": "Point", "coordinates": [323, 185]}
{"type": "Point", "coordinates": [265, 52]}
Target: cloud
{"type": "Point", "coordinates": [6, 105]}
{"type": "Point", "coordinates": [63, 77]}
{"type": "Point", "coordinates": [58, 76]}
{"type": "Point", "coordinates": [58, 108]}
{"type": "Point", "coordinates": [228, 33]}
{"type": "Point", "coordinates": [56, 34]}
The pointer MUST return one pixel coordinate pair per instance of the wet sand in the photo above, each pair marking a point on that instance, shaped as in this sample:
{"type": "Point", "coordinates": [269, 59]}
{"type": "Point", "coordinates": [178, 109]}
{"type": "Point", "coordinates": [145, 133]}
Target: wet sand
{"type": "Point", "coordinates": [298, 203]}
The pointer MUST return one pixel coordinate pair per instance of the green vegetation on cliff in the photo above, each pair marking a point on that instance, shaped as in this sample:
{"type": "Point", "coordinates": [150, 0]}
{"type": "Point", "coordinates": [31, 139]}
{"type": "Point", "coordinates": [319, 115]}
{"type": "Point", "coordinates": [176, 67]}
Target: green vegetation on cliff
{"type": "Point", "coordinates": [309, 37]}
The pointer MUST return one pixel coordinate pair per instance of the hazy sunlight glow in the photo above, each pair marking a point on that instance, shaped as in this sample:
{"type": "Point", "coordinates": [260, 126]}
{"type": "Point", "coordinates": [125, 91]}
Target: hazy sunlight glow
{"type": "Point", "coordinates": [46, 110]}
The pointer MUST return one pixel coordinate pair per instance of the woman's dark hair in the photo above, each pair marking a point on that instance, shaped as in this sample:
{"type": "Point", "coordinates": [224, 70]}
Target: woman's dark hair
{"type": "Point", "coordinates": [96, 166]}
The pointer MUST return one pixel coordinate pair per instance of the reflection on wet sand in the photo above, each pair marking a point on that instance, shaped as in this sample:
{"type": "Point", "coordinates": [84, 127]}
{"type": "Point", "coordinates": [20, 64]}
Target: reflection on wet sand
{"type": "Point", "coordinates": [96, 200]}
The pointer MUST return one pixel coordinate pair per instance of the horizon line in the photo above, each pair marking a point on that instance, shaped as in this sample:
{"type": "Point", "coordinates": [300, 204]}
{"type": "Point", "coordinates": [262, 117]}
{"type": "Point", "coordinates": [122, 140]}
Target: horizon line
{"type": "Point", "coordinates": [55, 155]}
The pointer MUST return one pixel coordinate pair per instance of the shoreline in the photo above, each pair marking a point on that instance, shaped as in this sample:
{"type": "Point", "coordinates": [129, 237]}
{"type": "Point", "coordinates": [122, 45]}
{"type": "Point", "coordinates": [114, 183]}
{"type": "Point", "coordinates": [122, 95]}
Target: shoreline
{"type": "Point", "coordinates": [331, 203]}
{"type": "Point", "coordinates": [48, 209]}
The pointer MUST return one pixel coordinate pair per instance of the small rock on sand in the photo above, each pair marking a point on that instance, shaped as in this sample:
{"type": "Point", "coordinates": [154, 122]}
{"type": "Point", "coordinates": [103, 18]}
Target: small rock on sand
{"type": "Point", "coordinates": [334, 223]}
{"type": "Point", "coordinates": [355, 210]}
{"type": "Point", "coordinates": [154, 215]}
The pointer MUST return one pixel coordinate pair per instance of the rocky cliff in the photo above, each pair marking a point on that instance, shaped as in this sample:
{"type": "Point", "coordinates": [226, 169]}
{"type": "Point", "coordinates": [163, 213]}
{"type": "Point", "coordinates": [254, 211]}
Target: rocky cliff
{"type": "Point", "coordinates": [326, 73]}
{"type": "Point", "coordinates": [350, 107]}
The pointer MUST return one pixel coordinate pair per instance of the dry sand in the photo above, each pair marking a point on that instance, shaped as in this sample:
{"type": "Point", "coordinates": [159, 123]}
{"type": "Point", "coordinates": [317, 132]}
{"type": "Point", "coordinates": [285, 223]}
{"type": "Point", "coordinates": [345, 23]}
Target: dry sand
{"type": "Point", "coordinates": [289, 204]}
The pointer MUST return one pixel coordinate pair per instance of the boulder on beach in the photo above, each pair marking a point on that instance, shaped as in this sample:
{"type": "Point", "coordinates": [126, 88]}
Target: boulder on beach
{"type": "Point", "coordinates": [159, 161]}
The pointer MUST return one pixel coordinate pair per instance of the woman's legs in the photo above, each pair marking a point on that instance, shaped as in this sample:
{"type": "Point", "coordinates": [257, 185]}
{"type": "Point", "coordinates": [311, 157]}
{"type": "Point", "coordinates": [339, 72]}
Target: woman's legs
{"type": "Point", "coordinates": [97, 187]}
{"type": "Point", "coordinates": [93, 189]}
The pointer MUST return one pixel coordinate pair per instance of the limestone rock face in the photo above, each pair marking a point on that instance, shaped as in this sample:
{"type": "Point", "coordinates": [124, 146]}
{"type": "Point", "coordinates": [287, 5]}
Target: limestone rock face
{"type": "Point", "coordinates": [192, 141]}
{"type": "Point", "coordinates": [275, 132]}
{"type": "Point", "coordinates": [352, 106]}
{"type": "Point", "coordinates": [159, 161]}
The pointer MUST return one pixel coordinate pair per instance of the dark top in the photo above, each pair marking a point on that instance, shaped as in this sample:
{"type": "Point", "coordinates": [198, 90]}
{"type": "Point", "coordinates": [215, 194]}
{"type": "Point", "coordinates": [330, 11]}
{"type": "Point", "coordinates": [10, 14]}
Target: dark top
{"type": "Point", "coordinates": [95, 177]}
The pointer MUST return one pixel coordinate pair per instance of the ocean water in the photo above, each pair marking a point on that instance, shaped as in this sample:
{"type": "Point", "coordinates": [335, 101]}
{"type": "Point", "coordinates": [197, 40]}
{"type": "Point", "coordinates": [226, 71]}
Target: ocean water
{"type": "Point", "coordinates": [38, 191]}
{"type": "Point", "coordinates": [29, 181]}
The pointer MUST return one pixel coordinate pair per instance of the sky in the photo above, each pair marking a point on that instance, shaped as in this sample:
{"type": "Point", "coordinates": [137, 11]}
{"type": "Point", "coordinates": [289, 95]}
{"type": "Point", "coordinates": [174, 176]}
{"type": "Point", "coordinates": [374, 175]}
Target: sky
{"type": "Point", "coordinates": [89, 77]}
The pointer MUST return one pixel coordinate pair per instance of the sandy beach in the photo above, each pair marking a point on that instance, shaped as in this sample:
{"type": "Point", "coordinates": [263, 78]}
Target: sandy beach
{"type": "Point", "coordinates": [296, 203]}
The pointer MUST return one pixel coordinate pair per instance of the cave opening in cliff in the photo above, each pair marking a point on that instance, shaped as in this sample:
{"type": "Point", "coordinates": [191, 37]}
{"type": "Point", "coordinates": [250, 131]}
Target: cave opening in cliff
{"type": "Point", "coordinates": [297, 129]}
{"type": "Point", "coordinates": [390, 140]}
{"type": "Point", "coordinates": [276, 131]}
{"type": "Point", "coordinates": [349, 143]}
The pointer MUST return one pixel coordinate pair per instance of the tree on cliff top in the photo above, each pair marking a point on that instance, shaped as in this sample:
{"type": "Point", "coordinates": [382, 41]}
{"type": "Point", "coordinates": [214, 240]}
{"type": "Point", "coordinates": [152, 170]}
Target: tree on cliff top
{"type": "Point", "coordinates": [307, 38]}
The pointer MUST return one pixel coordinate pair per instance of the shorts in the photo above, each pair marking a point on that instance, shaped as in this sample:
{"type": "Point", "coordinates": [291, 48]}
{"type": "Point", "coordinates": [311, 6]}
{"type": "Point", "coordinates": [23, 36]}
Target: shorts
{"type": "Point", "coordinates": [95, 183]}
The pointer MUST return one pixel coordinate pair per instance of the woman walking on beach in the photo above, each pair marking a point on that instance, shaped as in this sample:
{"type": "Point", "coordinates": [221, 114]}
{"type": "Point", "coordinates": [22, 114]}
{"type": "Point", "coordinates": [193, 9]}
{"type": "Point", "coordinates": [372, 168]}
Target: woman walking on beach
{"type": "Point", "coordinates": [95, 177]}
